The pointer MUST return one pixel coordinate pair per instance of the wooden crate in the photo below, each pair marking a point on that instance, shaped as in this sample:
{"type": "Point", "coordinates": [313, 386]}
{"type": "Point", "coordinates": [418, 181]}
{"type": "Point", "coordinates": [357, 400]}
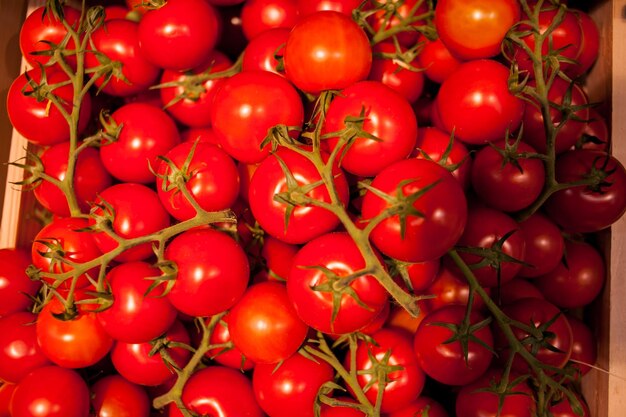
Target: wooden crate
{"type": "Point", "coordinates": [605, 387]}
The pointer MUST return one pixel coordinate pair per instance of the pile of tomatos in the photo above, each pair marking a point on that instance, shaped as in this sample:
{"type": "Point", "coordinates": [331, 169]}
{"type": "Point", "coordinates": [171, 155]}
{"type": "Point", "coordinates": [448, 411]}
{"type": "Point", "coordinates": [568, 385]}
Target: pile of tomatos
{"type": "Point", "coordinates": [307, 208]}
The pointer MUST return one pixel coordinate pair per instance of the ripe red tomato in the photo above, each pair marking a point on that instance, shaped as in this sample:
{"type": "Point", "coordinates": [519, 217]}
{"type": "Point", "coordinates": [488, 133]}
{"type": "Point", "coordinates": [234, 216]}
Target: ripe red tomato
{"type": "Point", "coordinates": [408, 83]}
{"type": "Point", "coordinates": [436, 60]}
{"type": "Point", "coordinates": [450, 287]}
{"type": "Point", "coordinates": [321, 299]}
{"type": "Point", "coordinates": [423, 406]}
{"type": "Point", "coordinates": [517, 288]}
{"type": "Point", "coordinates": [475, 29]}
{"type": "Point", "coordinates": [391, 14]}
{"type": "Point", "coordinates": [180, 34]}
{"type": "Point", "coordinates": [476, 103]}
{"type": "Point", "coordinates": [442, 208]}
{"type": "Point", "coordinates": [339, 411]}
{"type": "Point", "coordinates": [291, 389]}
{"type": "Point", "coordinates": [251, 102]}
{"type": "Point", "coordinates": [584, 345]}
{"type": "Point", "coordinates": [386, 115]}
{"type": "Point", "coordinates": [589, 46]}
{"type": "Point", "coordinates": [15, 286]}
{"type": "Point", "coordinates": [146, 133]}
{"type": "Point", "coordinates": [261, 51]}
{"type": "Point", "coordinates": [544, 245]}
{"type": "Point", "coordinates": [115, 396]}
{"type": "Point", "coordinates": [56, 392]}
{"type": "Point", "coordinates": [418, 276]}
{"type": "Point", "coordinates": [445, 361]}
{"type": "Point", "coordinates": [228, 357]}
{"type": "Point", "coordinates": [563, 408]}
{"type": "Point", "coordinates": [200, 134]}
{"type": "Point", "coordinates": [596, 133]}
{"type": "Point", "coordinates": [307, 7]}
{"type": "Point", "coordinates": [264, 324]}
{"type": "Point", "coordinates": [327, 50]}
{"type": "Point", "coordinates": [6, 392]}
{"type": "Point", "coordinates": [258, 16]}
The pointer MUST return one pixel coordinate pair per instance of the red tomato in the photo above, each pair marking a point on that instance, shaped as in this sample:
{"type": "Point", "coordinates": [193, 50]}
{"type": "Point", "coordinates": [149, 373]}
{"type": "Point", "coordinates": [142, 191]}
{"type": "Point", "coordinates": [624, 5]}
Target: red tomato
{"type": "Point", "coordinates": [432, 192]}
{"type": "Point", "coordinates": [146, 133]}
{"type": "Point", "coordinates": [258, 16]}
{"type": "Point", "coordinates": [307, 7]}
{"type": "Point", "coordinates": [180, 34]}
{"type": "Point", "coordinates": [596, 133]}
{"type": "Point", "coordinates": [589, 46]}
{"type": "Point", "coordinates": [391, 14]}
{"type": "Point", "coordinates": [250, 103]}
{"type": "Point", "coordinates": [212, 272]}
{"type": "Point", "coordinates": [400, 318]}
{"type": "Point", "coordinates": [584, 346]}
{"type": "Point", "coordinates": [327, 50]}
{"type": "Point", "coordinates": [262, 50]}
{"type": "Point", "coordinates": [444, 361]}
{"type": "Point", "coordinates": [118, 41]}
{"type": "Point", "coordinates": [436, 60]}
{"type": "Point", "coordinates": [56, 392]}
{"type": "Point", "coordinates": [450, 287]}
{"type": "Point", "coordinates": [516, 289]}
{"type": "Point", "coordinates": [475, 29]}
{"type": "Point", "coordinates": [291, 388]}
{"type": "Point", "coordinates": [6, 392]}
{"type": "Point", "coordinates": [19, 351]}
{"type": "Point", "coordinates": [423, 406]}
{"type": "Point", "coordinates": [418, 276]}
{"type": "Point", "coordinates": [408, 83]}
{"type": "Point", "coordinates": [476, 103]}
{"type": "Point", "coordinates": [289, 223]}
{"type": "Point", "coordinates": [136, 211]}
{"type": "Point", "coordinates": [139, 313]}
{"type": "Point", "coordinates": [210, 176]}
{"type": "Point", "coordinates": [564, 408]}
{"type": "Point", "coordinates": [115, 396]}
{"type": "Point", "coordinates": [264, 324]}
{"type": "Point", "coordinates": [390, 351]}
{"type": "Point", "coordinates": [228, 357]}
{"type": "Point", "coordinates": [588, 208]}
{"type": "Point", "coordinates": [75, 343]}
{"type": "Point", "coordinates": [320, 297]}
{"type": "Point", "coordinates": [115, 12]}
{"type": "Point", "coordinates": [41, 122]}
{"type": "Point", "coordinates": [328, 411]}
{"type": "Point", "coordinates": [15, 286]}
{"type": "Point", "coordinates": [278, 256]}
{"type": "Point", "coordinates": [90, 178]}
{"type": "Point", "coordinates": [386, 115]}
{"type": "Point", "coordinates": [544, 245]}
{"type": "Point", "coordinates": [200, 134]}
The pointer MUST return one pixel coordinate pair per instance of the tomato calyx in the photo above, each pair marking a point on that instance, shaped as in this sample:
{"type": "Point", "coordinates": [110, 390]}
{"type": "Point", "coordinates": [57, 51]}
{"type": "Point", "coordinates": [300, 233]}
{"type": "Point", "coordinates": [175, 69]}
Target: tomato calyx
{"type": "Point", "coordinates": [597, 176]}
{"type": "Point", "coordinates": [379, 371]}
{"type": "Point", "coordinates": [464, 333]}
{"type": "Point", "coordinates": [539, 337]}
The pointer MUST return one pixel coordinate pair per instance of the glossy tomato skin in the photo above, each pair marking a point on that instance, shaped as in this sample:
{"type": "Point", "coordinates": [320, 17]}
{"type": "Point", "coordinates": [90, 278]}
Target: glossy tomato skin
{"type": "Point", "coordinates": [118, 41]}
{"type": "Point", "coordinates": [420, 406]}
{"type": "Point", "coordinates": [544, 245]}
{"type": "Point", "coordinates": [475, 102]}
{"type": "Point", "coordinates": [278, 256]}
{"type": "Point", "coordinates": [258, 16]}
{"type": "Point", "coordinates": [6, 392]}
{"type": "Point", "coordinates": [173, 38]}
{"type": "Point", "coordinates": [115, 396]}
{"type": "Point", "coordinates": [264, 324]}
{"type": "Point", "coordinates": [146, 132]}
{"type": "Point", "coordinates": [582, 208]}
{"type": "Point", "coordinates": [251, 102]}
{"type": "Point", "coordinates": [261, 51]}
{"type": "Point", "coordinates": [407, 83]}
{"type": "Point", "coordinates": [450, 287]}
{"type": "Point", "coordinates": [211, 178]}
{"type": "Point", "coordinates": [436, 60]}
{"type": "Point", "coordinates": [405, 384]}
{"type": "Point", "coordinates": [291, 389]}
{"type": "Point", "coordinates": [388, 116]}
{"type": "Point", "coordinates": [475, 29]}
{"type": "Point", "coordinates": [227, 357]}
{"type": "Point", "coordinates": [15, 286]}
{"type": "Point", "coordinates": [318, 307]}
{"type": "Point", "coordinates": [305, 222]}
{"type": "Point", "coordinates": [58, 392]}
{"type": "Point", "coordinates": [445, 362]}
{"type": "Point", "coordinates": [584, 345]}
{"type": "Point", "coordinates": [327, 50]}
{"type": "Point", "coordinates": [443, 207]}
{"type": "Point", "coordinates": [90, 178]}
{"type": "Point", "coordinates": [19, 351]}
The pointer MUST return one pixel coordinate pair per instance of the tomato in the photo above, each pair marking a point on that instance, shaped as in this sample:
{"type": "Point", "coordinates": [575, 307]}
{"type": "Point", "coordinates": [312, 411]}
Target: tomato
{"type": "Point", "coordinates": [56, 392]}
{"type": "Point", "coordinates": [320, 297]}
{"type": "Point", "coordinates": [75, 343]}
{"type": "Point", "coordinates": [407, 82]}
{"type": "Point", "coordinates": [390, 353]}
{"type": "Point", "coordinates": [475, 29]}
{"type": "Point", "coordinates": [476, 399]}
{"type": "Point", "coordinates": [118, 41]}
{"type": "Point", "coordinates": [441, 206]}
{"type": "Point", "coordinates": [115, 12]}
{"type": "Point", "coordinates": [577, 280]}
{"type": "Point", "coordinates": [551, 346]}
{"type": "Point", "coordinates": [584, 346]}
{"type": "Point", "coordinates": [133, 210]}
{"type": "Point", "coordinates": [200, 134]}
{"type": "Point", "coordinates": [6, 392]}
{"type": "Point", "coordinates": [262, 50]}
{"type": "Point", "coordinates": [544, 245]}
{"type": "Point", "coordinates": [258, 16]}
{"type": "Point", "coordinates": [41, 122]}
{"type": "Point", "coordinates": [218, 390]}
{"type": "Point", "coordinates": [505, 179]}
{"type": "Point", "coordinates": [278, 256]}
{"type": "Point", "coordinates": [476, 103]}
{"type": "Point", "coordinates": [588, 208]}
{"type": "Point", "coordinates": [436, 60]}
{"type": "Point", "coordinates": [418, 276]}
{"type": "Point", "coordinates": [423, 406]}
{"type": "Point", "coordinates": [228, 357]}
{"type": "Point", "coordinates": [291, 389]}
{"type": "Point", "coordinates": [450, 287]}
{"type": "Point", "coordinates": [264, 324]}
{"type": "Point", "coordinates": [391, 13]}
{"type": "Point", "coordinates": [444, 360]}
{"type": "Point", "coordinates": [146, 133]}
{"type": "Point", "coordinates": [190, 102]}
{"type": "Point", "coordinates": [327, 50]}
{"type": "Point", "coordinates": [90, 178]}
{"type": "Point", "coordinates": [180, 34]}
{"type": "Point", "coordinates": [134, 362]}
{"type": "Point", "coordinates": [210, 176]}
{"type": "Point", "coordinates": [19, 351]}
{"type": "Point", "coordinates": [288, 222]}
{"type": "Point", "coordinates": [339, 411]}
{"type": "Point", "coordinates": [400, 318]}
{"type": "Point", "coordinates": [386, 115]}
{"type": "Point", "coordinates": [516, 289]}
{"type": "Point", "coordinates": [62, 239]}
{"type": "Point", "coordinates": [590, 43]}
{"type": "Point", "coordinates": [251, 102]}
{"type": "Point", "coordinates": [115, 396]}
{"type": "Point", "coordinates": [596, 133]}
{"type": "Point", "coordinates": [307, 7]}
{"type": "Point", "coordinates": [15, 286]}
{"type": "Point", "coordinates": [564, 408]}
{"type": "Point", "coordinates": [139, 313]}
{"type": "Point", "coordinates": [498, 233]}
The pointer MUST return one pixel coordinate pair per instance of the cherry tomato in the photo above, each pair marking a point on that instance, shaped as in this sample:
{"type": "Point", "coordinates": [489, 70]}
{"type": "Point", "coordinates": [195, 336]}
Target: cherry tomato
{"type": "Point", "coordinates": [6, 392]}
{"type": "Point", "coordinates": [420, 407]}
{"type": "Point", "coordinates": [15, 286]}
{"type": "Point", "coordinates": [450, 287]}
{"type": "Point", "coordinates": [544, 245]}
{"type": "Point", "coordinates": [564, 408]}
{"type": "Point", "coordinates": [258, 16]}
{"type": "Point", "coordinates": [278, 256]}
{"type": "Point", "coordinates": [407, 82]}
{"type": "Point", "coordinates": [517, 288]}
{"type": "Point", "coordinates": [115, 396]}
{"type": "Point", "coordinates": [590, 43]}
{"type": "Point", "coordinates": [436, 60]}
{"type": "Point", "coordinates": [340, 411]}
{"type": "Point", "coordinates": [228, 357]}
{"type": "Point", "coordinates": [307, 7]}
{"type": "Point", "coordinates": [262, 50]}
{"type": "Point", "coordinates": [584, 346]}
{"type": "Point", "coordinates": [405, 10]}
